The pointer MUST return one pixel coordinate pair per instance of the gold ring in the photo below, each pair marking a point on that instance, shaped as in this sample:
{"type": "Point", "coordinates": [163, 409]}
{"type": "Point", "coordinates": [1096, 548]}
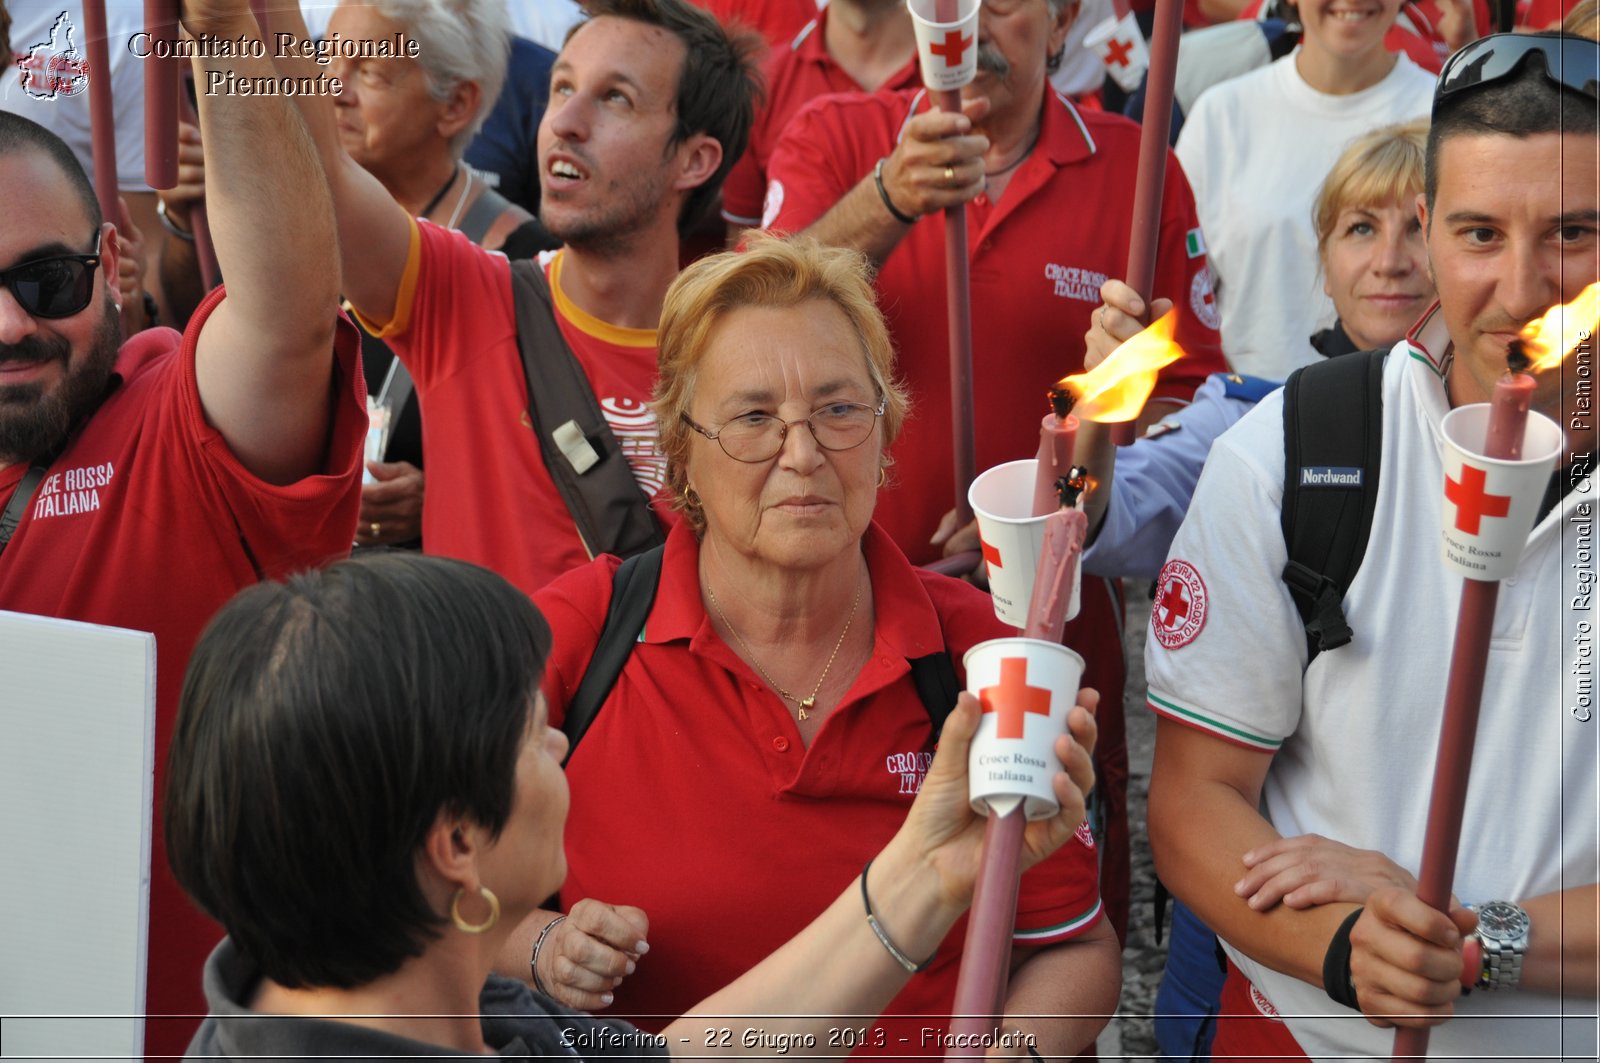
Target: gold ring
{"type": "Point", "coordinates": [950, 176]}
{"type": "Point", "coordinates": [374, 528]}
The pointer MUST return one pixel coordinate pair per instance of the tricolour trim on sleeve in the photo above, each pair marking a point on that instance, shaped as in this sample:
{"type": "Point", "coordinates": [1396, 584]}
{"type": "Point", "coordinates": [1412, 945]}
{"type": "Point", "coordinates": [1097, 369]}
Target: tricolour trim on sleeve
{"type": "Point", "coordinates": [1227, 732]}
{"type": "Point", "coordinates": [1050, 935]}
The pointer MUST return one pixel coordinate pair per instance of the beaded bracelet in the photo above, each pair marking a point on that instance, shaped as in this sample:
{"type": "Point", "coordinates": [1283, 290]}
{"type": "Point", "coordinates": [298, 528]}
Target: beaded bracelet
{"type": "Point", "coordinates": [911, 966]}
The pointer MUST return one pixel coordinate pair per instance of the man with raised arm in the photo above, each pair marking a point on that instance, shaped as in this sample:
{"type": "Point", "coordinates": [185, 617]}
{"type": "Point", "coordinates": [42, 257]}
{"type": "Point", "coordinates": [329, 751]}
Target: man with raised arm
{"type": "Point", "coordinates": [650, 103]}
{"type": "Point", "coordinates": [1288, 802]}
{"type": "Point", "coordinates": [150, 480]}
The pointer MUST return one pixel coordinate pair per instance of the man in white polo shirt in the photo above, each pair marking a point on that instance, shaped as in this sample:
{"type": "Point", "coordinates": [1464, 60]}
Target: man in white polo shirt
{"type": "Point", "coordinates": [1256, 750]}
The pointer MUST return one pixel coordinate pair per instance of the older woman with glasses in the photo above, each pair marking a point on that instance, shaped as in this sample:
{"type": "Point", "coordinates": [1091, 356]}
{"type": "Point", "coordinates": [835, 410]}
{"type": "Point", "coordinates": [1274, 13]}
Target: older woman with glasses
{"type": "Point", "coordinates": [778, 709]}
{"type": "Point", "coordinates": [366, 792]}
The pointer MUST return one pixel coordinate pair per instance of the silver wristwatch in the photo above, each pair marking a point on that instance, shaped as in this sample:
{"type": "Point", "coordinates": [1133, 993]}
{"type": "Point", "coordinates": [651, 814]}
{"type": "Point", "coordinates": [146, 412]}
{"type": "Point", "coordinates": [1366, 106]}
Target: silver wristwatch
{"type": "Point", "coordinates": [1503, 932]}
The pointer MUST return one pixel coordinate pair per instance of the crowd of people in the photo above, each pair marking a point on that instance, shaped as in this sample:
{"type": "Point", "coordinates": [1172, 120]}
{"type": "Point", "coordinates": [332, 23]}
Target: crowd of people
{"type": "Point", "coordinates": [638, 693]}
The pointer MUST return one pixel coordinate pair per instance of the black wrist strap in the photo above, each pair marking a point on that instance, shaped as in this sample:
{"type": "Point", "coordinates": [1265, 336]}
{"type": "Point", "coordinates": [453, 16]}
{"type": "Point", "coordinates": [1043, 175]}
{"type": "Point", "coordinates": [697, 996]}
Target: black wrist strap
{"type": "Point", "coordinates": [1336, 965]}
{"type": "Point", "coordinates": [883, 193]}
{"type": "Point", "coordinates": [19, 503]}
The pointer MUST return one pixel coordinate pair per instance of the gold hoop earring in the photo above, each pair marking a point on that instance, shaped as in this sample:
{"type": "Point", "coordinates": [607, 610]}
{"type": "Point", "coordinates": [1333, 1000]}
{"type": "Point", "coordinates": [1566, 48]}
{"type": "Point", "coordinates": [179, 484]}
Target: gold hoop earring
{"type": "Point", "coordinates": [883, 475]}
{"type": "Point", "coordinates": [691, 501]}
{"type": "Point", "coordinates": [474, 928]}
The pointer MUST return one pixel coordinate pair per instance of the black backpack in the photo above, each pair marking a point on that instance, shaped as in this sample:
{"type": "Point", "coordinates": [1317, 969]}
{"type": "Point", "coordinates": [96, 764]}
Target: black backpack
{"type": "Point", "coordinates": [633, 591]}
{"type": "Point", "coordinates": [1332, 446]}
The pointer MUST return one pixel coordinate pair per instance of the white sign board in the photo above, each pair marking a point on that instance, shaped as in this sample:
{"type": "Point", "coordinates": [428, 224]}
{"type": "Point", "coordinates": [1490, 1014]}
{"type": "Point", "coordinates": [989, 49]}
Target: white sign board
{"type": "Point", "coordinates": [77, 758]}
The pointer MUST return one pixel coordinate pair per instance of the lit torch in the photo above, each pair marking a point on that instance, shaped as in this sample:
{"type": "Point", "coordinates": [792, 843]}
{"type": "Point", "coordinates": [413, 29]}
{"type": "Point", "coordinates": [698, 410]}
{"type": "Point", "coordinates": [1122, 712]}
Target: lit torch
{"type": "Point", "coordinates": [1543, 344]}
{"type": "Point", "coordinates": [1115, 390]}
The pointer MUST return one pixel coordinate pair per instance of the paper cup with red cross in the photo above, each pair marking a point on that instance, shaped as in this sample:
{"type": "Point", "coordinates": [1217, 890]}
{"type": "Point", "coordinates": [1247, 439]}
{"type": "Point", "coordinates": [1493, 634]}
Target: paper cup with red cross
{"type": "Point", "coordinates": [947, 41]}
{"type": "Point", "coordinates": [1026, 688]}
{"type": "Point", "coordinates": [1011, 537]}
{"type": "Point", "coordinates": [1121, 47]}
{"type": "Point", "coordinates": [1490, 503]}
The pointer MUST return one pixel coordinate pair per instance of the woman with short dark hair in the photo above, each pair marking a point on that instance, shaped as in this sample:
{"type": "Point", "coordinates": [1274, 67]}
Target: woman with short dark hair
{"type": "Point", "coordinates": [365, 791]}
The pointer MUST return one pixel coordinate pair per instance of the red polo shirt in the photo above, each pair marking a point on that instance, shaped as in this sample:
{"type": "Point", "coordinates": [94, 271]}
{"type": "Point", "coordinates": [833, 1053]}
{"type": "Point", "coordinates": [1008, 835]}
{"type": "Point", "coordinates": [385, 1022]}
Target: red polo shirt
{"type": "Point", "coordinates": [148, 521]}
{"type": "Point", "coordinates": [796, 75]}
{"type": "Point", "coordinates": [694, 799]}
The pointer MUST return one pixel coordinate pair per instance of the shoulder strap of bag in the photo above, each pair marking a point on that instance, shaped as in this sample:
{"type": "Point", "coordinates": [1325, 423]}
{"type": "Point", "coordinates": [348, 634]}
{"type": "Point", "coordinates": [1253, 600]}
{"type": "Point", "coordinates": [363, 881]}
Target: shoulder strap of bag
{"type": "Point", "coordinates": [484, 210]}
{"type": "Point", "coordinates": [633, 592]}
{"type": "Point", "coordinates": [11, 518]}
{"type": "Point", "coordinates": [1332, 441]}
{"type": "Point", "coordinates": [584, 459]}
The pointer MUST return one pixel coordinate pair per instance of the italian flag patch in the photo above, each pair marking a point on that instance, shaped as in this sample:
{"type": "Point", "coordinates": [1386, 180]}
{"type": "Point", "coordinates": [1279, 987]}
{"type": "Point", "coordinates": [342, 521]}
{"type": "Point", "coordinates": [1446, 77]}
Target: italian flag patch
{"type": "Point", "coordinates": [1194, 242]}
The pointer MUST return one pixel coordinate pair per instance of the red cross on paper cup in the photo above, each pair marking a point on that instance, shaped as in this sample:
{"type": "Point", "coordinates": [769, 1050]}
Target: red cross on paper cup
{"type": "Point", "coordinates": [1011, 536]}
{"type": "Point", "coordinates": [1026, 688]}
{"type": "Point", "coordinates": [1489, 505]}
{"type": "Point", "coordinates": [1012, 699]}
{"type": "Point", "coordinates": [947, 38]}
{"type": "Point", "coordinates": [1472, 502]}
{"type": "Point", "coordinates": [951, 48]}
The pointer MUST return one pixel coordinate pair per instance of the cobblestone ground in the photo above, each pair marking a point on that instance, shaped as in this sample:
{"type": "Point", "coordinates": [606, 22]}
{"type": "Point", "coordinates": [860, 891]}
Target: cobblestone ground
{"type": "Point", "coordinates": [1129, 1036]}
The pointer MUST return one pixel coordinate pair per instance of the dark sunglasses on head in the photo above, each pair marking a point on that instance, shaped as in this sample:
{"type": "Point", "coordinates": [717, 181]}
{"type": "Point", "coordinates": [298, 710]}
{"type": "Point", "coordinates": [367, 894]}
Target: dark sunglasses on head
{"type": "Point", "coordinates": [1571, 62]}
{"type": "Point", "coordinates": [57, 286]}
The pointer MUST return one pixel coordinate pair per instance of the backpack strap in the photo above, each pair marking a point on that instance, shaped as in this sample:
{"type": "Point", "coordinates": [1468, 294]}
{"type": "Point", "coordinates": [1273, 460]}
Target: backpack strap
{"type": "Point", "coordinates": [1332, 442]}
{"type": "Point", "coordinates": [482, 214]}
{"type": "Point", "coordinates": [633, 592]}
{"type": "Point", "coordinates": [583, 457]}
{"type": "Point", "coordinates": [935, 679]}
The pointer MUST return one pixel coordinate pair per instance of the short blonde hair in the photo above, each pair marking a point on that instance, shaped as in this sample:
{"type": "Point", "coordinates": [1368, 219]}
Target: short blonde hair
{"type": "Point", "coordinates": [775, 272]}
{"type": "Point", "coordinates": [1381, 167]}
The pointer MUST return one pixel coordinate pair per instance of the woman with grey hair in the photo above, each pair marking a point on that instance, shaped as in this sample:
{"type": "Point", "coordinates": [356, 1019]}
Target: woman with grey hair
{"type": "Point", "coordinates": [407, 120]}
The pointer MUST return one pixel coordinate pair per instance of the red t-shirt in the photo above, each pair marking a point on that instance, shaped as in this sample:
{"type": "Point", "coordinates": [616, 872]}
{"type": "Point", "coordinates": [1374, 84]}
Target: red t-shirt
{"type": "Point", "coordinates": [148, 521]}
{"type": "Point", "coordinates": [1038, 258]}
{"type": "Point", "coordinates": [489, 498]}
{"type": "Point", "coordinates": [796, 75]}
{"type": "Point", "coordinates": [776, 20]}
{"type": "Point", "coordinates": [694, 799]}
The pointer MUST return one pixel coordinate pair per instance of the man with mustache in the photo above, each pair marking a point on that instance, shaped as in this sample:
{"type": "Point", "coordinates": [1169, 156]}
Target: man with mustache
{"type": "Point", "coordinates": [143, 483]}
{"type": "Point", "coordinates": [1048, 192]}
{"type": "Point", "coordinates": [650, 103]}
{"type": "Point", "coordinates": [1289, 797]}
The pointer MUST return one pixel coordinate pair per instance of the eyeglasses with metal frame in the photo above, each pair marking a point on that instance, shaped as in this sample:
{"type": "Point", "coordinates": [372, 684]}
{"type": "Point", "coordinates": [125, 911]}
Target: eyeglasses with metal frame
{"type": "Point", "coordinates": [757, 437]}
{"type": "Point", "coordinates": [53, 287]}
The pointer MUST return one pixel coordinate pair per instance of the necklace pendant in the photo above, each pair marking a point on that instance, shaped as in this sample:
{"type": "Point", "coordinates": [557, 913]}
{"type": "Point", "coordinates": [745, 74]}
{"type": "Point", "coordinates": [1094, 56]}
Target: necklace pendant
{"type": "Point", "coordinates": [807, 703]}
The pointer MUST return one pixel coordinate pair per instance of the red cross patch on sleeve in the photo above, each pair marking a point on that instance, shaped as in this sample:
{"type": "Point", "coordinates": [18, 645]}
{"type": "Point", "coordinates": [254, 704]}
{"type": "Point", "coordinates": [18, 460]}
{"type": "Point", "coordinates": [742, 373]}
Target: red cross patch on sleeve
{"type": "Point", "coordinates": [1179, 611]}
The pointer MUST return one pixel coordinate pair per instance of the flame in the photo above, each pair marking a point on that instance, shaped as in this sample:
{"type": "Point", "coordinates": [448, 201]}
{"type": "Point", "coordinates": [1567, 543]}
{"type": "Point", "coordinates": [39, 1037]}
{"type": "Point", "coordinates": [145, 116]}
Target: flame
{"type": "Point", "coordinates": [1551, 338]}
{"type": "Point", "coordinates": [1116, 389]}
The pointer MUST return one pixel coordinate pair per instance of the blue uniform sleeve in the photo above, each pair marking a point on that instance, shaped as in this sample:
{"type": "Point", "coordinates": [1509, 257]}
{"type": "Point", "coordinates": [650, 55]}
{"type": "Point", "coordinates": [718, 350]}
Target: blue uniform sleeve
{"type": "Point", "coordinates": [1156, 476]}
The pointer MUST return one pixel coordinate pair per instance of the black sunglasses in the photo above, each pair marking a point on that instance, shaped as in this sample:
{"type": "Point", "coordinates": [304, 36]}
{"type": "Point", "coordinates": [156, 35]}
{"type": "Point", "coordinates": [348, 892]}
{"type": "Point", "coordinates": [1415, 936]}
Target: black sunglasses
{"type": "Point", "coordinates": [1571, 62]}
{"type": "Point", "coordinates": [58, 286]}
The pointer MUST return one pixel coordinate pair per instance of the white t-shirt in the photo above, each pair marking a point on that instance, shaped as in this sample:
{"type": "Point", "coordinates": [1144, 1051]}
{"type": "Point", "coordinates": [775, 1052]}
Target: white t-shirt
{"type": "Point", "coordinates": [1256, 149]}
{"type": "Point", "coordinates": [48, 76]}
{"type": "Point", "coordinates": [1354, 737]}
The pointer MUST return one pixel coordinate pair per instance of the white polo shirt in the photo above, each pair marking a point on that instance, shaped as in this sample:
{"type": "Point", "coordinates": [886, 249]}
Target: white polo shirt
{"type": "Point", "coordinates": [1354, 736]}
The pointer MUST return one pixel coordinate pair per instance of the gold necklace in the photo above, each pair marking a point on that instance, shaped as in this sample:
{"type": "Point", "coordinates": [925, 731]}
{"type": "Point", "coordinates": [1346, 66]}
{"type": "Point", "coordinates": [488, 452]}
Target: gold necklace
{"type": "Point", "coordinates": [805, 703]}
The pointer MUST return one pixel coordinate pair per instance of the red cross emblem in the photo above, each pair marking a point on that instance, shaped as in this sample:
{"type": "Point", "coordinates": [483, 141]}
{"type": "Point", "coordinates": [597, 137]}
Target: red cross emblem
{"type": "Point", "coordinates": [952, 48]}
{"type": "Point", "coordinates": [1472, 502]}
{"type": "Point", "coordinates": [1117, 52]}
{"type": "Point", "coordinates": [990, 554]}
{"type": "Point", "coordinates": [1180, 607]}
{"type": "Point", "coordinates": [1012, 699]}
{"type": "Point", "coordinates": [1174, 605]}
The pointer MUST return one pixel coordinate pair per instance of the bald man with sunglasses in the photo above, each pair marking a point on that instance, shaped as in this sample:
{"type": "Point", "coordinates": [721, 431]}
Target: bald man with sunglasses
{"type": "Point", "coordinates": [1288, 801]}
{"type": "Point", "coordinates": [143, 483]}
